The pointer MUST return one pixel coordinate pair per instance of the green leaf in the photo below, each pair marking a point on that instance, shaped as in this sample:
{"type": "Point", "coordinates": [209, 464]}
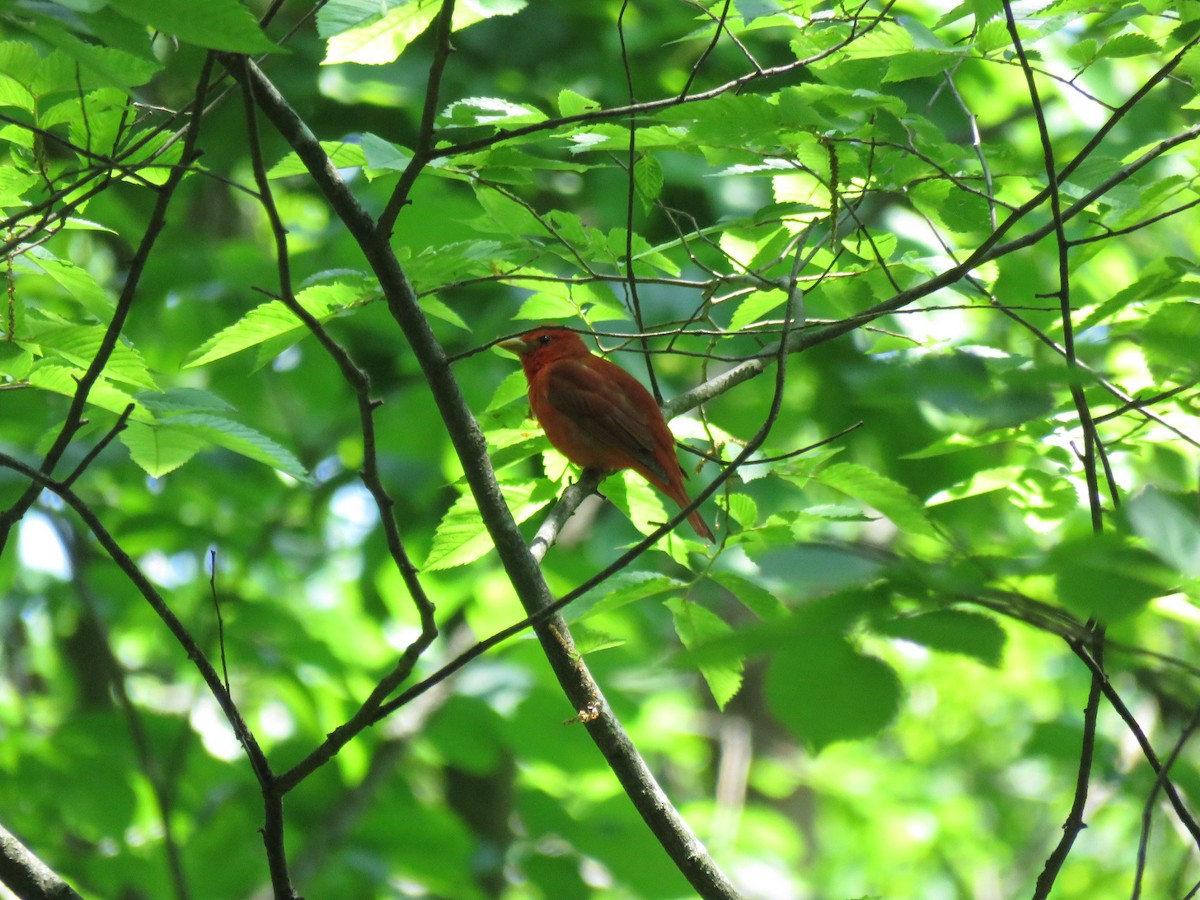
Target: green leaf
{"type": "Point", "coordinates": [224, 25]}
{"type": "Point", "coordinates": [383, 156]}
{"type": "Point", "coordinates": [77, 281]}
{"type": "Point", "coordinates": [182, 399]}
{"type": "Point", "coordinates": [160, 449]}
{"type": "Point", "coordinates": [633, 496]}
{"type": "Point", "coordinates": [827, 691]}
{"type": "Point", "coordinates": [981, 482]}
{"type": "Point", "coordinates": [377, 32]}
{"type": "Point", "coordinates": [62, 379]}
{"type": "Point", "coordinates": [79, 61]}
{"type": "Point", "coordinates": [920, 64]}
{"type": "Point", "coordinates": [512, 388]}
{"type": "Point", "coordinates": [697, 626]}
{"type": "Point", "coordinates": [241, 439]}
{"type": "Point", "coordinates": [629, 587]}
{"type": "Point", "coordinates": [1170, 530]}
{"type": "Point", "coordinates": [274, 320]}
{"type": "Point", "coordinates": [571, 103]}
{"type": "Point", "coordinates": [342, 154]}
{"type": "Point", "coordinates": [887, 496]}
{"type": "Point", "coordinates": [15, 94]}
{"type": "Point", "coordinates": [754, 306]}
{"type": "Point", "coordinates": [461, 538]}
{"type": "Point", "coordinates": [80, 344]}
{"type": "Point", "coordinates": [491, 111]}
{"type": "Point", "coordinates": [753, 596]}
{"type": "Point", "coordinates": [1105, 576]}
{"type": "Point", "coordinates": [648, 179]}
{"type": "Point", "coordinates": [1169, 341]}
{"type": "Point", "coordinates": [1127, 45]}
{"type": "Point", "coordinates": [741, 507]}
{"type": "Point", "coordinates": [951, 631]}
{"type": "Point", "coordinates": [16, 362]}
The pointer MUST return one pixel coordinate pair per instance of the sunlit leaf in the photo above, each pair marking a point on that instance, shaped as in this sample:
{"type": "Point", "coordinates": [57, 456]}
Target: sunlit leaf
{"type": "Point", "coordinates": [697, 625]}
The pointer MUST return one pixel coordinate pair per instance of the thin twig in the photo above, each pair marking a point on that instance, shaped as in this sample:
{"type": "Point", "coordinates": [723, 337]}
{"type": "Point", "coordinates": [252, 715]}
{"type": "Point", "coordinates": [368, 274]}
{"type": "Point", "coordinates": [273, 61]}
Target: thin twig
{"type": "Point", "coordinates": [1074, 823]}
{"type": "Point", "coordinates": [1148, 810]}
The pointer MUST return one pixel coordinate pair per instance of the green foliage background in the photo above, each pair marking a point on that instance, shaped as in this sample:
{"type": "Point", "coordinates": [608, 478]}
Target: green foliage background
{"type": "Point", "coordinates": [873, 685]}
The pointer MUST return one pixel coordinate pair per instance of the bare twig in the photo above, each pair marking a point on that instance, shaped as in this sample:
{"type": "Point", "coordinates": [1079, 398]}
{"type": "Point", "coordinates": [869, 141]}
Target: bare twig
{"type": "Point", "coordinates": [1074, 823]}
{"type": "Point", "coordinates": [1147, 811]}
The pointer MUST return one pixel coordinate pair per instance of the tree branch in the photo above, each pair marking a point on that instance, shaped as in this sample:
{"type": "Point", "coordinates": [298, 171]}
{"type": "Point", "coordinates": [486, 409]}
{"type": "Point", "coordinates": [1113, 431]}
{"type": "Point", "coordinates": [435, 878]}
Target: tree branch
{"type": "Point", "coordinates": [672, 832]}
{"type": "Point", "coordinates": [22, 872]}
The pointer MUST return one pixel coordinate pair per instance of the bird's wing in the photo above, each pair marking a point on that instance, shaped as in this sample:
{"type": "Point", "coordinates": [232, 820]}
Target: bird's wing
{"type": "Point", "coordinates": [601, 400]}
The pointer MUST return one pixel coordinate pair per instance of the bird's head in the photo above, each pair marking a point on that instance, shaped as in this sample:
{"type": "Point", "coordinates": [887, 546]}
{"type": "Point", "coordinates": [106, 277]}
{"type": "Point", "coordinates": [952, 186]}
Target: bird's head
{"type": "Point", "coordinates": [545, 344]}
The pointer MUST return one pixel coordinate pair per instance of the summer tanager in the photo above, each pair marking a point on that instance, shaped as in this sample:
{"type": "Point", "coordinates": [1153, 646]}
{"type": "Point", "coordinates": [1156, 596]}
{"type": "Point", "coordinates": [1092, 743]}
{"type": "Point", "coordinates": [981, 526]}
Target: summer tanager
{"type": "Point", "coordinates": [597, 415]}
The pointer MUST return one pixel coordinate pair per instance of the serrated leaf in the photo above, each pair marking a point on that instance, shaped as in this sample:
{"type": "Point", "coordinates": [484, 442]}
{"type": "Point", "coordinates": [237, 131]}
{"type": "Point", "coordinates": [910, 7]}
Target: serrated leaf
{"type": "Point", "coordinates": [1170, 530]}
{"type": "Point", "coordinates": [182, 399]}
{"type": "Point", "coordinates": [1105, 576]}
{"type": "Point", "coordinates": [572, 104]}
{"type": "Point", "coordinates": [1169, 341]}
{"type": "Point", "coordinates": [16, 362]}
{"type": "Point", "coordinates": [382, 155]}
{"type": "Point", "coordinates": [160, 449]}
{"type": "Point", "coordinates": [981, 482]}
{"type": "Point", "coordinates": [77, 281]}
{"type": "Point", "coordinates": [79, 344]}
{"type": "Point", "coordinates": [633, 496]}
{"type": "Point", "coordinates": [828, 691]}
{"type": "Point", "coordinates": [241, 439]}
{"type": "Point", "coordinates": [1126, 45]}
{"type": "Point", "coordinates": [951, 631]}
{"type": "Point", "coordinates": [491, 111]}
{"type": "Point", "coordinates": [589, 640]}
{"type": "Point", "coordinates": [14, 184]}
{"type": "Point", "coordinates": [98, 66]}
{"type": "Point", "coordinates": [643, 252]}
{"type": "Point", "coordinates": [920, 64]}
{"type": "Point", "coordinates": [697, 626]}
{"type": "Point", "coordinates": [544, 307]}
{"type": "Point", "coordinates": [754, 597]}
{"type": "Point", "coordinates": [743, 509]}
{"type": "Point", "coordinates": [461, 538]}
{"type": "Point", "coordinates": [630, 587]}
{"type": "Point", "coordinates": [274, 320]}
{"type": "Point", "coordinates": [15, 94]}
{"type": "Point", "coordinates": [512, 388]}
{"type": "Point", "coordinates": [343, 155]}
{"type": "Point", "coordinates": [377, 32]}
{"type": "Point", "coordinates": [754, 306]}
{"type": "Point", "coordinates": [437, 308]}
{"type": "Point", "coordinates": [648, 178]}
{"type": "Point", "coordinates": [225, 24]}
{"type": "Point", "coordinates": [888, 497]}
{"type": "Point", "coordinates": [63, 379]}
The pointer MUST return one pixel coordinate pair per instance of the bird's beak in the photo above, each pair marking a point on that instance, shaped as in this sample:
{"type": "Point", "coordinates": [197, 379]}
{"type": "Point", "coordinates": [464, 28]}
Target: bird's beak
{"type": "Point", "coordinates": [515, 345]}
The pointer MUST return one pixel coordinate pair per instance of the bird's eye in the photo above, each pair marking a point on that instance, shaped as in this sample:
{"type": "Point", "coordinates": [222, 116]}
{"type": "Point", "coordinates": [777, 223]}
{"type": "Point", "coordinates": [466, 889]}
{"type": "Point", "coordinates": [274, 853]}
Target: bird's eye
{"type": "Point", "coordinates": [544, 339]}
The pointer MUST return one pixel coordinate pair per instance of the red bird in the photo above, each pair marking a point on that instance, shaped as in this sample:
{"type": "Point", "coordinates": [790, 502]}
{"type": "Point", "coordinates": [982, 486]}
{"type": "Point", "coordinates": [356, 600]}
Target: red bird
{"type": "Point", "coordinates": [597, 415]}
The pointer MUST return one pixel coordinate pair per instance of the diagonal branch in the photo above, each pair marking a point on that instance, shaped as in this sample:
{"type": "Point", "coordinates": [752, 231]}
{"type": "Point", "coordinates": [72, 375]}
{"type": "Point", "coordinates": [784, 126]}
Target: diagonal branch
{"type": "Point", "coordinates": [26, 875]}
{"type": "Point", "coordinates": [360, 384]}
{"type": "Point", "coordinates": [606, 731]}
